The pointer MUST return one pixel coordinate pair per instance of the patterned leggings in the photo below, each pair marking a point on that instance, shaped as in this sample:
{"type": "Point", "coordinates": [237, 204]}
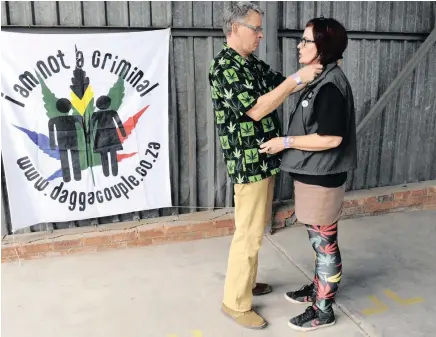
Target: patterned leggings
{"type": "Point", "coordinates": [328, 265]}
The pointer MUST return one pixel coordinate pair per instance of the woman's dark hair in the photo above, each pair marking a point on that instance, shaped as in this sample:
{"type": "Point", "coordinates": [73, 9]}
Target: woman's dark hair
{"type": "Point", "coordinates": [330, 37]}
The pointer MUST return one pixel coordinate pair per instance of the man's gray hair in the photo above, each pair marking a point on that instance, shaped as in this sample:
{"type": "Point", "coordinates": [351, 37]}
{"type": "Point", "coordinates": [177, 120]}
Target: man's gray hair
{"type": "Point", "coordinates": [237, 12]}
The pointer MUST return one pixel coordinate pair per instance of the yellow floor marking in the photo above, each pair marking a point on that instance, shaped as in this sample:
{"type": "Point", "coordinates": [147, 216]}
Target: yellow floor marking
{"type": "Point", "coordinates": [403, 301]}
{"type": "Point", "coordinates": [197, 333]}
{"type": "Point", "coordinates": [378, 308]}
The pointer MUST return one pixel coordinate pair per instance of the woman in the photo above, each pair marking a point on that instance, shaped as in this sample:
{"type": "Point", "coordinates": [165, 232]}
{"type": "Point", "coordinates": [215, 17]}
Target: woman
{"type": "Point", "coordinates": [319, 149]}
{"type": "Point", "coordinates": [105, 122]}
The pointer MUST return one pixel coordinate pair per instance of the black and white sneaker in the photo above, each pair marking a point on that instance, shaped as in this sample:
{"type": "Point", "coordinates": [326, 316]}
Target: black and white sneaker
{"type": "Point", "coordinates": [304, 295]}
{"type": "Point", "coordinates": [312, 319]}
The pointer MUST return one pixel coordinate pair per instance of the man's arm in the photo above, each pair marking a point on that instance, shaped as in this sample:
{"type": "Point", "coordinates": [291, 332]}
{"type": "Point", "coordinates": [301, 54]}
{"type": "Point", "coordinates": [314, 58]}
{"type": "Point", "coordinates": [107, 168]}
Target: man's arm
{"type": "Point", "coordinates": [275, 78]}
{"type": "Point", "coordinates": [299, 88]}
{"type": "Point", "coordinates": [272, 100]}
{"type": "Point", "coordinates": [236, 92]}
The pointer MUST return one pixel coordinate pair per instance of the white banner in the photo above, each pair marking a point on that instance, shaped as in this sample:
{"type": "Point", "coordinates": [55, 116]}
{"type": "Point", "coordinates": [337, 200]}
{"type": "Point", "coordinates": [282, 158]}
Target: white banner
{"type": "Point", "coordinates": [84, 124]}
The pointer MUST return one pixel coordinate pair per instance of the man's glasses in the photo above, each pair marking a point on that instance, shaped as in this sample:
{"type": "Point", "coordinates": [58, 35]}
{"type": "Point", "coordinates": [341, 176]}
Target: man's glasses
{"type": "Point", "coordinates": [303, 40]}
{"type": "Point", "coordinates": [255, 29]}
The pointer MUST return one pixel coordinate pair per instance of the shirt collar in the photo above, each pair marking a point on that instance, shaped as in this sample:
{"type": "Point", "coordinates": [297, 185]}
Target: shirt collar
{"type": "Point", "coordinates": [238, 58]}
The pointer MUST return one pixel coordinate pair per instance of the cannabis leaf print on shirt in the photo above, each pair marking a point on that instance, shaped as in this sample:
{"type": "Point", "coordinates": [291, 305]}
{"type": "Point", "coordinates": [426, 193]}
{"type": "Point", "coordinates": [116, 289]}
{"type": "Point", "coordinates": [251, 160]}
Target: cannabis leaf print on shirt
{"type": "Point", "coordinates": [236, 84]}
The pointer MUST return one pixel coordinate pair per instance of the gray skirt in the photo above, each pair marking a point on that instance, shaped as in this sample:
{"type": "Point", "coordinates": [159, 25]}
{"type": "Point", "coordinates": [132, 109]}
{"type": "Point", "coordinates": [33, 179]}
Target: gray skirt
{"type": "Point", "coordinates": [317, 205]}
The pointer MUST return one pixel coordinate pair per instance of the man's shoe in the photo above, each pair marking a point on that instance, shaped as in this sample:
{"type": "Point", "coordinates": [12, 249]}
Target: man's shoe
{"type": "Point", "coordinates": [304, 295]}
{"type": "Point", "coordinates": [312, 319]}
{"type": "Point", "coordinates": [261, 289]}
{"type": "Point", "coordinates": [248, 319]}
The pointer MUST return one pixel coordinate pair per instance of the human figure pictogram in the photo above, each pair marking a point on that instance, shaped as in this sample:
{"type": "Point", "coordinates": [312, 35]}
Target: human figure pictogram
{"type": "Point", "coordinates": [63, 134]}
{"type": "Point", "coordinates": [104, 122]}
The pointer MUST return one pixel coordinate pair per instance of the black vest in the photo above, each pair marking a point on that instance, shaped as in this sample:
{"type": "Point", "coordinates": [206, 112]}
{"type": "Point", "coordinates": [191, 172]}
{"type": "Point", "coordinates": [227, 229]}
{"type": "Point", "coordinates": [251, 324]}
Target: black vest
{"type": "Point", "coordinates": [337, 160]}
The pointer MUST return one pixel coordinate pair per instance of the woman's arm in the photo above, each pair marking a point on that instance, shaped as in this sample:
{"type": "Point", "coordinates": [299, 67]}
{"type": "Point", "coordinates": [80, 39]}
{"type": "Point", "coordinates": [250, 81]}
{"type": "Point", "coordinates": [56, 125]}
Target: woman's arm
{"type": "Point", "coordinates": [313, 142]}
{"type": "Point", "coordinates": [329, 107]}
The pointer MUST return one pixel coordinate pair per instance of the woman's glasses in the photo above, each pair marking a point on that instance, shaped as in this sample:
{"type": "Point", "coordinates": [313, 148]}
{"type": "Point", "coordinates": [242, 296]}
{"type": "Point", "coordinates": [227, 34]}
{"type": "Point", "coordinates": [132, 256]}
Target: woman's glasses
{"type": "Point", "coordinates": [303, 40]}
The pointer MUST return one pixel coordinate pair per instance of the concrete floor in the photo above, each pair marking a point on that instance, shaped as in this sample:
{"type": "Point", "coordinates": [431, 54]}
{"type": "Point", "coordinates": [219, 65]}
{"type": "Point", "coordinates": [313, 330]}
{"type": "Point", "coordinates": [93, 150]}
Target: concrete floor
{"type": "Point", "coordinates": [176, 290]}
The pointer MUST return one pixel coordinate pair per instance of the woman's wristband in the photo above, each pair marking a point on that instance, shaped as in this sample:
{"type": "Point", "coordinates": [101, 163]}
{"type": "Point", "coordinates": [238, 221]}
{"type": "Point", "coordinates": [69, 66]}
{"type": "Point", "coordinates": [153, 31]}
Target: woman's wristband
{"type": "Point", "coordinates": [288, 141]}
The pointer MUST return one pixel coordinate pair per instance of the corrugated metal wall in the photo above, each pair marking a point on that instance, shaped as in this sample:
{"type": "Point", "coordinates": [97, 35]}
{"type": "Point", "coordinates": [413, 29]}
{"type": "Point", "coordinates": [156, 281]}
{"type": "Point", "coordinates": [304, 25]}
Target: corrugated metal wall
{"type": "Point", "coordinates": [399, 146]}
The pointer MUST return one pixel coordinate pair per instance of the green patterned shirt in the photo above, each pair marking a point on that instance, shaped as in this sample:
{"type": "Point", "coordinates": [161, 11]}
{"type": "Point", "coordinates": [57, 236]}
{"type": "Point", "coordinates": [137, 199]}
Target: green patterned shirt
{"type": "Point", "coordinates": [236, 84]}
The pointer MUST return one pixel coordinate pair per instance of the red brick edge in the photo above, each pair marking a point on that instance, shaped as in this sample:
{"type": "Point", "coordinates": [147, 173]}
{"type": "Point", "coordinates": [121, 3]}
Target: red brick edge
{"type": "Point", "coordinates": [421, 196]}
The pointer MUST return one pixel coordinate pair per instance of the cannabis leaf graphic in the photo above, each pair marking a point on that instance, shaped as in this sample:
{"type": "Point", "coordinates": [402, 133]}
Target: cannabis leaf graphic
{"type": "Point", "coordinates": [116, 94]}
{"type": "Point", "coordinates": [248, 75]}
{"type": "Point", "coordinates": [239, 179]}
{"type": "Point", "coordinates": [245, 99]}
{"type": "Point", "coordinates": [248, 85]}
{"type": "Point", "coordinates": [231, 76]}
{"type": "Point", "coordinates": [264, 167]}
{"type": "Point", "coordinates": [249, 143]}
{"type": "Point", "coordinates": [324, 231]}
{"type": "Point", "coordinates": [220, 117]}
{"type": "Point", "coordinates": [329, 249]}
{"type": "Point", "coordinates": [49, 99]}
{"type": "Point", "coordinates": [251, 156]}
{"type": "Point", "coordinates": [324, 292]}
{"type": "Point", "coordinates": [225, 142]}
{"type": "Point", "coordinates": [231, 166]}
{"type": "Point", "coordinates": [212, 66]}
{"type": "Point", "coordinates": [247, 129]}
{"type": "Point", "coordinates": [228, 94]}
{"type": "Point", "coordinates": [240, 59]}
{"type": "Point", "coordinates": [237, 153]}
{"type": "Point", "coordinates": [213, 92]}
{"type": "Point", "coordinates": [335, 278]}
{"type": "Point", "coordinates": [260, 141]}
{"type": "Point", "coordinates": [268, 124]}
{"type": "Point", "coordinates": [325, 305]}
{"type": "Point", "coordinates": [275, 171]}
{"type": "Point", "coordinates": [233, 141]}
{"type": "Point", "coordinates": [82, 100]}
{"type": "Point", "coordinates": [255, 178]}
{"type": "Point", "coordinates": [316, 241]}
{"type": "Point", "coordinates": [326, 259]}
{"type": "Point", "coordinates": [231, 127]}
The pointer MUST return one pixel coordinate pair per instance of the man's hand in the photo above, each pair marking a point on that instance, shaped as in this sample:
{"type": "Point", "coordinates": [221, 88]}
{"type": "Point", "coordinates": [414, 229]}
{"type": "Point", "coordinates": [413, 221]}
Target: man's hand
{"type": "Point", "coordinates": [309, 73]}
{"type": "Point", "coordinates": [272, 146]}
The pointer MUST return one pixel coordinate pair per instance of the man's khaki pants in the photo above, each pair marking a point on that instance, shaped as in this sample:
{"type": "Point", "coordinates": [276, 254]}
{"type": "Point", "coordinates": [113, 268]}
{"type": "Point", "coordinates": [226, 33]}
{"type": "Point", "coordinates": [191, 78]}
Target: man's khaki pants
{"type": "Point", "coordinates": [253, 208]}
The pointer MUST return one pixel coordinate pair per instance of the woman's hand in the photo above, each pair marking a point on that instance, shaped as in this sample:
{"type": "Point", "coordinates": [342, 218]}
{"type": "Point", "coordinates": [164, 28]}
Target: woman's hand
{"type": "Point", "coordinates": [272, 146]}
